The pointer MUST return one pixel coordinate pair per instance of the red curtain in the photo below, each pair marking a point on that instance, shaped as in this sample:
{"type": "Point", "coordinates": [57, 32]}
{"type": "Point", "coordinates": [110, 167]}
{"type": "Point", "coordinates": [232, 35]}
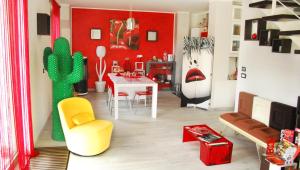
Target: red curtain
{"type": "Point", "coordinates": [55, 21]}
{"type": "Point", "coordinates": [16, 136]}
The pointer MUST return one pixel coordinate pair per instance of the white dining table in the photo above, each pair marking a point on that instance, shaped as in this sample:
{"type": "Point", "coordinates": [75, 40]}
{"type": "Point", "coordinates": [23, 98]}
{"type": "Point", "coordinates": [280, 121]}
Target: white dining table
{"type": "Point", "coordinates": [121, 82]}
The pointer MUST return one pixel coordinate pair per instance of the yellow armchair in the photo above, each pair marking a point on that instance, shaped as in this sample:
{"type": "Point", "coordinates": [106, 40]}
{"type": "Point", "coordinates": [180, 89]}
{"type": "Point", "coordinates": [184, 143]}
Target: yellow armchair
{"type": "Point", "coordinates": [84, 134]}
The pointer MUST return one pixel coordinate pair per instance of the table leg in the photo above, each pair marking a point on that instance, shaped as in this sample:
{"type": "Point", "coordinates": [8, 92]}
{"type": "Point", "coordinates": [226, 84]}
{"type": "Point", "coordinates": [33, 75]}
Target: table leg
{"type": "Point", "coordinates": [116, 96]}
{"type": "Point", "coordinates": [154, 101]}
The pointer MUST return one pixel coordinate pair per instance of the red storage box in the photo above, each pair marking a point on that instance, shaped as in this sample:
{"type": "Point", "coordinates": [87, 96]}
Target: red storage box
{"type": "Point", "coordinates": [215, 153]}
{"type": "Point", "coordinates": [211, 153]}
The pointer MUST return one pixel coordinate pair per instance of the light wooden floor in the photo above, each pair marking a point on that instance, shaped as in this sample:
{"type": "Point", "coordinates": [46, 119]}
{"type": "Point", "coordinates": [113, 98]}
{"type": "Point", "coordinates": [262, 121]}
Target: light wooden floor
{"type": "Point", "coordinates": [142, 143]}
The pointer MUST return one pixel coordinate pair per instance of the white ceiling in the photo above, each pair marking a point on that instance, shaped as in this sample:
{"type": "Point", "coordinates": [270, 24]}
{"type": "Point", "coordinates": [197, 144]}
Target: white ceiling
{"type": "Point", "coordinates": [143, 5]}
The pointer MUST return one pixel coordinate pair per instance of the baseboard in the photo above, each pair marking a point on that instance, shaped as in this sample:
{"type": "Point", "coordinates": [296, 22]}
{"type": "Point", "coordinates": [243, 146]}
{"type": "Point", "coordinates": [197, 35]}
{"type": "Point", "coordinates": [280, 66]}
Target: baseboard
{"type": "Point", "coordinates": [222, 109]}
{"type": "Point", "coordinates": [91, 89]}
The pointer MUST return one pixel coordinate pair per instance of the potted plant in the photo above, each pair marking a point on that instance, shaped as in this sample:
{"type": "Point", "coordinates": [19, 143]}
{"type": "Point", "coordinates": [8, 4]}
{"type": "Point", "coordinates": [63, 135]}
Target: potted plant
{"type": "Point", "coordinates": [100, 84]}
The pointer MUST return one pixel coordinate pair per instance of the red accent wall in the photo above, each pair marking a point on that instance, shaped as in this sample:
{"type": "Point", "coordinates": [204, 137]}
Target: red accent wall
{"type": "Point", "coordinates": [85, 19]}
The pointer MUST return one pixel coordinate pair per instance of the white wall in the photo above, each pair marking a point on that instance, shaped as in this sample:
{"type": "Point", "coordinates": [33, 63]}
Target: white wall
{"type": "Point", "coordinates": [270, 75]}
{"type": "Point", "coordinates": [182, 29]}
{"type": "Point", "coordinates": [40, 83]}
{"type": "Point", "coordinates": [65, 21]}
{"type": "Point", "coordinates": [220, 25]}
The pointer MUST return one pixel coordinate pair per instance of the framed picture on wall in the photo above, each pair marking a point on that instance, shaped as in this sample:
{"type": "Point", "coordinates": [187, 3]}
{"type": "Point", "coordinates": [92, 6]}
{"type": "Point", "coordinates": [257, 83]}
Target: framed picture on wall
{"type": "Point", "coordinates": [237, 12]}
{"type": "Point", "coordinates": [95, 34]}
{"type": "Point", "coordinates": [232, 68]}
{"type": "Point", "coordinates": [152, 36]}
{"type": "Point", "coordinates": [235, 45]}
{"type": "Point", "coordinates": [236, 29]}
{"type": "Point", "coordinates": [121, 37]}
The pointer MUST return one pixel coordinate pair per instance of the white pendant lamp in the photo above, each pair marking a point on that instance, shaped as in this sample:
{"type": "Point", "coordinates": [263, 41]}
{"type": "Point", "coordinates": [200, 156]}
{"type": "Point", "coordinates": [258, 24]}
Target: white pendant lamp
{"type": "Point", "coordinates": [130, 22]}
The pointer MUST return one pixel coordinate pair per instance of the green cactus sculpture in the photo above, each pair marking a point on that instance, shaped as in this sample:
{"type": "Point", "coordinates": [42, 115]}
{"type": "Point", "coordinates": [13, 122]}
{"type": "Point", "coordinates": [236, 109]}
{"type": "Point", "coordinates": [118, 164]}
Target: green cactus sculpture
{"type": "Point", "coordinates": [64, 71]}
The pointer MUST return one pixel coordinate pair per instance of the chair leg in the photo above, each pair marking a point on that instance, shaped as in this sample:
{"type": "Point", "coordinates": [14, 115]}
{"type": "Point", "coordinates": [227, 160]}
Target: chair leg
{"type": "Point", "coordinates": [145, 101]}
{"type": "Point", "coordinates": [130, 106]}
{"type": "Point", "coordinates": [128, 102]}
{"type": "Point", "coordinates": [111, 105]}
{"type": "Point", "coordinates": [110, 110]}
{"type": "Point", "coordinates": [133, 100]}
{"type": "Point", "coordinates": [108, 99]}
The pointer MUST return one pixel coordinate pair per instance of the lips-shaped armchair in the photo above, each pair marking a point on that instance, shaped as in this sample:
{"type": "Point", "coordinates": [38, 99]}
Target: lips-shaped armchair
{"type": "Point", "coordinates": [84, 134]}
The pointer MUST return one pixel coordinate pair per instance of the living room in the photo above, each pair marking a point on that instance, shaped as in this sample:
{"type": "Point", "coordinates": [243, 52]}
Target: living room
{"type": "Point", "coordinates": [184, 71]}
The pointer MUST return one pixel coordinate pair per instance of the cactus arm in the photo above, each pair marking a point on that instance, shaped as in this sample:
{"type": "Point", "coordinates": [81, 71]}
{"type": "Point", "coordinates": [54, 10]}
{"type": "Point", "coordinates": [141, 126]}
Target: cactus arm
{"type": "Point", "coordinates": [77, 73]}
{"type": "Point", "coordinates": [47, 53]}
{"type": "Point", "coordinates": [53, 68]}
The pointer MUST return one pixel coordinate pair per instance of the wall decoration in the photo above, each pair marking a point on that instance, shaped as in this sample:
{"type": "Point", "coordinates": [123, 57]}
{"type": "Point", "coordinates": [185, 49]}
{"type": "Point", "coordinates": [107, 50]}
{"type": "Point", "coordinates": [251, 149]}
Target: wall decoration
{"type": "Point", "coordinates": [236, 29]}
{"type": "Point", "coordinates": [203, 25]}
{"type": "Point", "coordinates": [235, 45]}
{"type": "Point", "coordinates": [232, 70]}
{"type": "Point", "coordinates": [121, 37]}
{"type": "Point", "coordinates": [196, 71]}
{"type": "Point", "coordinates": [95, 34]}
{"type": "Point", "coordinates": [237, 12]}
{"type": "Point", "coordinates": [152, 36]}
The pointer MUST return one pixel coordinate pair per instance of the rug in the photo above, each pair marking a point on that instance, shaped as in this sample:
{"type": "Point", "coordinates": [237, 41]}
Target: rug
{"type": "Point", "coordinates": [54, 158]}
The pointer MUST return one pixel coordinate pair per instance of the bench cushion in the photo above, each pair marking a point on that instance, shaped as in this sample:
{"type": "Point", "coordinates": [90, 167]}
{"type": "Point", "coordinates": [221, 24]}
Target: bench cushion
{"type": "Point", "coordinates": [248, 124]}
{"type": "Point", "coordinates": [282, 116]}
{"type": "Point", "coordinates": [261, 110]}
{"type": "Point", "coordinates": [233, 117]}
{"type": "Point", "coordinates": [265, 133]}
{"type": "Point", "coordinates": [245, 103]}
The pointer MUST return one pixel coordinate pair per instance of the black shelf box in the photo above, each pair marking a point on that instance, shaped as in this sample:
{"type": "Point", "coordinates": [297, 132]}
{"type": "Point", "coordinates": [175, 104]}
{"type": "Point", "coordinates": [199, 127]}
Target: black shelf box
{"type": "Point", "coordinates": [282, 45]}
{"type": "Point", "coordinates": [297, 51]}
{"type": "Point", "coordinates": [43, 24]}
{"type": "Point", "coordinates": [267, 37]}
{"type": "Point", "coordinates": [261, 25]}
